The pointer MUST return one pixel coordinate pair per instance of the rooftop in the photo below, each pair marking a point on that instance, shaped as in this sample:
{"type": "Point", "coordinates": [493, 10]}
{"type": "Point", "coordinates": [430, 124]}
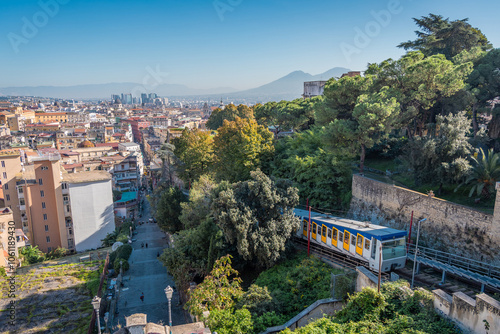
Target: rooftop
{"type": "Point", "coordinates": [128, 196]}
{"type": "Point", "coordinates": [86, 177]}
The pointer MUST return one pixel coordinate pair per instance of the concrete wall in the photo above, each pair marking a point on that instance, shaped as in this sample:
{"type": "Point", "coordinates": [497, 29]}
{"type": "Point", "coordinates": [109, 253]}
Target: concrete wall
{"type": "Point", "coordinates": [92, 213]}
{"type": "Point", "coordinates": [315, 311]}
{"type": "Point", "coordinates": [449, 227]}
{"type": "Point", "coordinates": [365, 279]}
{"type": "Point", "coordinates": [471, 315]}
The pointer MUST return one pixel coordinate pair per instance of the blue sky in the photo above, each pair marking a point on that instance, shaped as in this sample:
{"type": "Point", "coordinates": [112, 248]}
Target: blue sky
{"type": "Point", "coordinates": [242, 44]}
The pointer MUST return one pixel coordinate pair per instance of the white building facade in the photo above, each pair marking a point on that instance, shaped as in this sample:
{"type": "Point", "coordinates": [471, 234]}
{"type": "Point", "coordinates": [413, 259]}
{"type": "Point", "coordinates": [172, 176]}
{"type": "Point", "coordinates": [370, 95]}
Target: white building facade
{"type": "Point", "coordinates": [92, 213]}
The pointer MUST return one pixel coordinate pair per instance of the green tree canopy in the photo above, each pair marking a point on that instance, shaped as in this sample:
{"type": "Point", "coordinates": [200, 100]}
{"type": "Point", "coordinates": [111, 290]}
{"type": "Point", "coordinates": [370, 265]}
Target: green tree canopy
{"type": "Point", "coordinates": [168, 209]}
{"type": "Point", "coordinates": [438, 35]}
{"type": "Point", "coordinates": [257, 216]}
{"type": "Point", "coordinates": [230, 321]}
{"type": "Point", "coordinates": [443, 157]}
{"type": "Point", "coordinates": [197, 209]}
{"type": "Point", "coordinates": [219, 290]}
{"type": "Point", "coordinates": [418, 83]}
{"type": "Point", "coordinates": [240, 147]}
{"type": "Point", "coordinates": [229, 113]}
{"type": "Point", "coordinates": [287, 115]}
{"type": "Point", "coordinates": [195, 150]}
{"type": "Point", "coordinates": [356, 117]}
{"type": "Point", "coordinates": [322, 176]}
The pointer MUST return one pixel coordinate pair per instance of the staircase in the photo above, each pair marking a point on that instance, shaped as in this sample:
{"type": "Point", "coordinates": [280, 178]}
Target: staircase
{"type": "Point", "coordinates": [477, 271]}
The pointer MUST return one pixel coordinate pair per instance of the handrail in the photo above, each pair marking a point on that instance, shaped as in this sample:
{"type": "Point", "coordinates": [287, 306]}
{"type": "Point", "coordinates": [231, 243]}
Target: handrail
{"type": "Point", "coordinates": [471, 265]}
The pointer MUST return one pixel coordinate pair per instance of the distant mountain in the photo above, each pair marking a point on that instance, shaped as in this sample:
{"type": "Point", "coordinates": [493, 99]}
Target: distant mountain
{"type": "Point", "coordinates": [289, 87]}
{"type": "Point", "coordinates": [104, 91]}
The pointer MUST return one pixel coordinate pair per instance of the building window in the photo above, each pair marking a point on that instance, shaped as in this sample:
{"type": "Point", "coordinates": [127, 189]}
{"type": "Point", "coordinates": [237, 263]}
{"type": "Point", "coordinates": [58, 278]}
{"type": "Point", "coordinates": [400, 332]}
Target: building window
{"type": "Point", "coordinates": [4, 175]}
{"type": "Point", "coordinates": [48, 239]}
{"type": "Point", "coordinates": [44, 216]}
{"type": "Point", "coordinates": [6, 186]}
{"type": "Point", "coordinates": [21, 201]}
{"type": "Point", "coordinates": [67, 208]}
{"type": "Point", "coordinates": [40, 182]}
{"type": "Point", "coordinates": [20, 190]}
{"type": "Point", "coordinates": [70, 232]}
{"type": "Point", "coordinates": [46, 228]}
{"type": "Point", "coordinates": [7, 197]}
{"type": "Point", "coordinates": [49, 249]}
{"type": "Point", "coordinates": [3, 163]}
{"type": "Point", "coordinates": [70, 243]}
{"type": "Point", "coordinates": [43, 205]}
{"type": "Point", "coordinates": [45, 168]}
{"type": "Point", "coordinates": [64, 186]}
{"type": "Point", "coordinates": [42, 193]}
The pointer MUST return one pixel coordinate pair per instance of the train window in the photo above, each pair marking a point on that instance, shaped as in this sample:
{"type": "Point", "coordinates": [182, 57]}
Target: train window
{"type": "Point", "coordinates": [341, 236]}
{"type": "Point", "coordinates": [359, 243]}
{"type": "Point", "coordinates": [334, 236]}
{"type": "Point", "coordinates": [323, 232]}
{"type": "Point", "coordinates": [305, 226]}
{"type": "Point", "coordinates": [314, 228]}
{"type": "Point", "coordinates": [393, 249]}
{"type": "Point", "coordinates": [346, 238]}
{"type": "Point", "coordinates": [353, 240]}
{"type": "Point", "coordinates": [367, 244]}
{"type": "Point", "coordinates": [329, 233]}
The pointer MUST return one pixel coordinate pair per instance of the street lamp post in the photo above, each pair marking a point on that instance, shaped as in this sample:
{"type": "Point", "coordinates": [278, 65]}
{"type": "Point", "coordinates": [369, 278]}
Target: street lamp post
{"type": "Point", "coordinates": [416, 251]}
{"type": "Point", "coordinates": [169, 292]}
{"type": "Point", "coordinates": [106, 319]}
{"type": "Point", "coordinates": [96, 303]}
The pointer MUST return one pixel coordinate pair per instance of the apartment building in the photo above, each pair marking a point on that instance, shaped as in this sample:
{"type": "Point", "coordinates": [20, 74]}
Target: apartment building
{"type": "Point", "coordinates": [134, 150]}
{"type": "Point", "coordinates": [11, 239]}
{"type": "Point", "coordinates": [49, 117]}
{"type": "Point", "coordinates": [88, 209]}
{"type": "Point", "coordinates": [48, 206]}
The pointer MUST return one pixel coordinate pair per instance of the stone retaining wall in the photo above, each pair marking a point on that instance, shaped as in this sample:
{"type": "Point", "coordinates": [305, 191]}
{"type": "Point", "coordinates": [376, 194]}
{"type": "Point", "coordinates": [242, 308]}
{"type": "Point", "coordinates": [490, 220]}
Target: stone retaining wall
{"type": "Point", "coordinates": [449, 227]}
{"type": "Point", "coordinates": [480, 315]}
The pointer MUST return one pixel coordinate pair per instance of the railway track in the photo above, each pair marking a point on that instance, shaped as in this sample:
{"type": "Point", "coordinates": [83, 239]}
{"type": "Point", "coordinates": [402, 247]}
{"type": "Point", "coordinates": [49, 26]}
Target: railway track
{"type": "Point", "coordinates": [428, 278]}
{"type": "Point", "coordinates": [336, 257]}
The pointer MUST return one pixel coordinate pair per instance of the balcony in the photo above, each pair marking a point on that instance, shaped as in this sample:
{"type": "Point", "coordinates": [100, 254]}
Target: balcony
{"type": "Point", "coordinates": [126, 177]}
{"type": "Point", "coordinates": [22, 207]}
{"type": "Point", "coordinates": [65, 191]}
{"type": "Point", "coordinates": [20, 195]}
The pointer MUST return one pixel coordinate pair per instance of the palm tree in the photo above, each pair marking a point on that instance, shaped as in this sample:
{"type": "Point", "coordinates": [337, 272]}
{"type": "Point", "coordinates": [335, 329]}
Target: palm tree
{"type": "Point", "coordinates": [166, 153]}
{"type": "Point", "coordinates": [484, 175]}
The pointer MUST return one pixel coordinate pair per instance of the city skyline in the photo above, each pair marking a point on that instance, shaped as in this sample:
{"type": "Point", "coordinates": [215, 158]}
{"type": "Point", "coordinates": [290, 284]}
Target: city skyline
{"type": "Point", "coordinates": [207, 44]}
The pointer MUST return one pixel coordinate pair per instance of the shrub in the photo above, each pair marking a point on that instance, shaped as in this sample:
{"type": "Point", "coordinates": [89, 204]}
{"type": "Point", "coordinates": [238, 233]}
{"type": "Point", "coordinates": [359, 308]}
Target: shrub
{"type": "Point", "coordinates": [124, 252]}
{"type": "Point", "coordinates": [268, 319]}
{"type": "Point", "coordinates": [296, 284]}
{"type": "Point", "coordinates": [118, 262]}
{"type": "Point", "coordinates": [229, 321]}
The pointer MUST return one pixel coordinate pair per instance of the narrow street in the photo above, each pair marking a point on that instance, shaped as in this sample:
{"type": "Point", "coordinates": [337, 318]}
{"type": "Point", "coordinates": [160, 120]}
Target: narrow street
{"type": "Point", "coordinates": [148, 275]}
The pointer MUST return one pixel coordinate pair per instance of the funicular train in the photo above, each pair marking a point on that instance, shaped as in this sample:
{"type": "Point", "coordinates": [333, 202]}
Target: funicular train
{"type": "Point", "coordinates": [361, 240]}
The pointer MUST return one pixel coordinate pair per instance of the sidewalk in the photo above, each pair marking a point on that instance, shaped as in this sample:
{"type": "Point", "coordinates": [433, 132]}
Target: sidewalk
{"type": "Point", "coordinates": [147, 274]}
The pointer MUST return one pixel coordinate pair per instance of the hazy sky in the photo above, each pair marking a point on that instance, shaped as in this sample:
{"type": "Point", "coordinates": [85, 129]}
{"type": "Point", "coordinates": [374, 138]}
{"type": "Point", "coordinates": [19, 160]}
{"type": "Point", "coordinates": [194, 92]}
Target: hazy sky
{"type": "Point", "coordinates": [206, 43]}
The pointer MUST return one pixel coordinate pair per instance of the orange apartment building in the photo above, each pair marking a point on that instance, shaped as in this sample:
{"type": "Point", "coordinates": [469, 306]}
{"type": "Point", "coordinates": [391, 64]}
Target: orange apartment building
{"type": "Point", "coordinates": [42, 204]}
